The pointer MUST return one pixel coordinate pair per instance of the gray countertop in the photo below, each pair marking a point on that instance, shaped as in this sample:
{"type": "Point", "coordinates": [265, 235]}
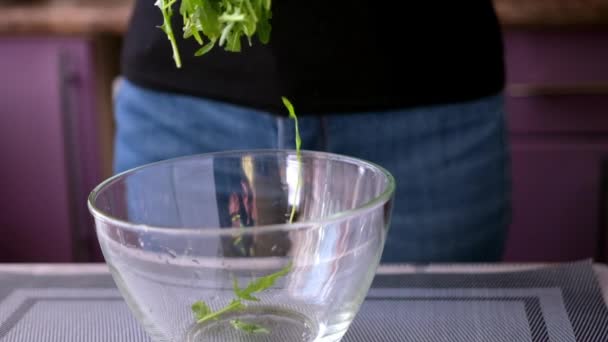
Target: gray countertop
{"type": "Point", "coordinates": [101, 268]}
{"type": "Point", "coordinates": [459, 303]}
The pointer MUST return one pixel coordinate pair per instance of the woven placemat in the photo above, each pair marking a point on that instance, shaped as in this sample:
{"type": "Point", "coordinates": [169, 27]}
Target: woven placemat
{"type": "Point", "coordinates": [561, 303]}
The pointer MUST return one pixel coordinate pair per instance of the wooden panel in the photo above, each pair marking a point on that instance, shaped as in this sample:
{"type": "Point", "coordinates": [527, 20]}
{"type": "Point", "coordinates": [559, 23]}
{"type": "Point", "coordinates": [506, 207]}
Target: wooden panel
{"type": "Point", "coordinates": [551, 13]}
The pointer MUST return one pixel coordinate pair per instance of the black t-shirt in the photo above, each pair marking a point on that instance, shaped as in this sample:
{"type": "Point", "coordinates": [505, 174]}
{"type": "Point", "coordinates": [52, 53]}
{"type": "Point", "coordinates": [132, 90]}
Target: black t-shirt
{"type": "Point", "coordinates": [332, 56]}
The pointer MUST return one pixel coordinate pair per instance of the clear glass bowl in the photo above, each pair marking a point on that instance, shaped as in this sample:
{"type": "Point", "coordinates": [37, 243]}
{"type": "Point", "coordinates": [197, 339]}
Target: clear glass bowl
{"type": "Point", "coordinates": [212, 229]}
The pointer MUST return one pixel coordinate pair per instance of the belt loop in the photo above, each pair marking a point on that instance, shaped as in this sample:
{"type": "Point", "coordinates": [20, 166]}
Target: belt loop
{"type": "Point", "coordinates": [280, 132]}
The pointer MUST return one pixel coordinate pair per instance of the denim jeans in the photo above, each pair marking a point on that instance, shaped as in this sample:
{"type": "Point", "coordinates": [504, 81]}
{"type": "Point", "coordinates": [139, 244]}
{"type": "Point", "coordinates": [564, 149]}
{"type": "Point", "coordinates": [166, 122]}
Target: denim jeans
{"type": "Point", "coordinates": [450, 162]}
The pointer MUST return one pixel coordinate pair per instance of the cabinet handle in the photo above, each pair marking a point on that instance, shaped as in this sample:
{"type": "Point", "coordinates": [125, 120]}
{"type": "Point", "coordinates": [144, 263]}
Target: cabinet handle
{"type": "Point", "coordinates": [529, 90]}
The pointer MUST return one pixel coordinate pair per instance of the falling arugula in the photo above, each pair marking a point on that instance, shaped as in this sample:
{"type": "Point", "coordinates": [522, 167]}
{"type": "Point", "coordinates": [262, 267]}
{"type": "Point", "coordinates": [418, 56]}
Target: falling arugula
{"type": "Point", "coordinates": [217, 22]}
{"type": "Point", "coordinates": [224, 23]}
{"type": "Point", "coordinates": [292, 114]}
{"type": "Point", "coordinates": [203, 312]}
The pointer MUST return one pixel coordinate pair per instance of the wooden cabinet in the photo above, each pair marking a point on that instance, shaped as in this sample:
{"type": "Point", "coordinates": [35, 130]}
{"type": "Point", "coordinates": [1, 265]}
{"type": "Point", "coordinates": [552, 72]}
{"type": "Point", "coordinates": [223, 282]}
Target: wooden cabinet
{"type": "Point", "coordinates": [557, 104]}
{"type": "Point", "coordinates": [48, 148]}
{"type": "Point", "coordinates": [556, 191]}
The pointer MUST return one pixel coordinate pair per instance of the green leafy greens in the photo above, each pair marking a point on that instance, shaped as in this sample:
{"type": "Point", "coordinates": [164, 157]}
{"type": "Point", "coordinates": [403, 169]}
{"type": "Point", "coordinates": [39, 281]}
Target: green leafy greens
{"type": "Point", "coordinates": [167, 11]}
{"type": "Point", "coordinates": [258, 285]}
{"type": "Point", "coordinates": [249, 327]}
{"type": "Point", "coordinates": [203, 313]}
{"type": "Point", "coordinates": [292, 115]}
{"type": "Point", "coordinates": [217, 22]}
{"type": "Point", "coordinates": [224, 23]}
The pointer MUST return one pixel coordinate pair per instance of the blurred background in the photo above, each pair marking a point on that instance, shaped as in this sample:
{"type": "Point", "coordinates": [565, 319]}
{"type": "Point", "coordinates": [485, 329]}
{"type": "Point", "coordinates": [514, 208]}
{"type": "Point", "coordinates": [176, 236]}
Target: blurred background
{"type": "Point", "coordinates": [59, 59]}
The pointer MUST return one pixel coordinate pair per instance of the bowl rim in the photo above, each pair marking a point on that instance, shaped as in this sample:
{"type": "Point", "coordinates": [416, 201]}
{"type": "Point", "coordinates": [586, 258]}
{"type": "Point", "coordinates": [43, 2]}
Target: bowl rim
{"type": "Point", "coordinates": [382, 198]}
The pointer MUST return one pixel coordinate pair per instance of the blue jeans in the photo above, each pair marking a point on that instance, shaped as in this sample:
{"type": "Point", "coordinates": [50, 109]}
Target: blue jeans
{"type": "Point", "coordinates": [451, 162]}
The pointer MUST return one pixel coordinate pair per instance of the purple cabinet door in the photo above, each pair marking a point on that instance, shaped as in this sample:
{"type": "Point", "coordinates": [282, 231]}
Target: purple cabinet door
{"type": "Point", "coordinates": [45, 130]}
{"type": "Point", "coordinates": [557, 102]}
{"type": "Point", "coordinates": [556, 194]}
{"type": "Point", "coordinates": [557, 81]}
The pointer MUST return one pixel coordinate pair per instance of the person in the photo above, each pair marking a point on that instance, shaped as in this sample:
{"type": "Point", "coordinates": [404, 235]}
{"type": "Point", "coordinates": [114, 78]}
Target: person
{"type": "Point", "coordinates": [416, 87]}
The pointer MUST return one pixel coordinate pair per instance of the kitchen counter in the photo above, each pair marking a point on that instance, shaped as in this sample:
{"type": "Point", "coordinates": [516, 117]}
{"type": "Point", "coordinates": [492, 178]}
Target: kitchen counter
{"type": "Point", "coordinates": [80, 302]}
{"type": "Point", "coordinates": [551, 13]}
{"type": "Point", "coordinates": [111, 16]}
{"type": "Point", "coordinates": [65, 17]}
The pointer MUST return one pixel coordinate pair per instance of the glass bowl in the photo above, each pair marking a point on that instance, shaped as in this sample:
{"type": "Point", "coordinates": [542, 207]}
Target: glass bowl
{"type": "Point", "coordinates": [245, 245]}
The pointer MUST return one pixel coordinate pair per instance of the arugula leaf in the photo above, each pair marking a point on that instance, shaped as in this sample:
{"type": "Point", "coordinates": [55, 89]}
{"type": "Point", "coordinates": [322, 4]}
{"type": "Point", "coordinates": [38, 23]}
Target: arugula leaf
{"type": "Point", "coordinates": [261, 284]}
{"type": "Point", "coordinates": [218, 23]}
{"type": "Point", "coordinates": [203, 313]}
{"type": "Point", "coordinates": [249, 327]}
{"type": "Point", "coordinates": [242, 294]}
{"type": "Point", "coordinates": [234, 39]}
{"type": "Point", "coordinates": [233, 306]}
{"type": "Point", "coordinates": [167, 12]}
{"type": "Point", "coordinates": [264, 27]}
{"type": "Point", "coordinates": [200, 309]}
{"type": "Point", "coordinates": [208, 13]}
{"type": "Point", "coordinates": [206, 48]}
{"type": "Point", "coordinates": [191, 20]}
{"type": "Point", "coordinates": [251, 10]}
{"type": "Point", "coordinates": [292, 114]}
